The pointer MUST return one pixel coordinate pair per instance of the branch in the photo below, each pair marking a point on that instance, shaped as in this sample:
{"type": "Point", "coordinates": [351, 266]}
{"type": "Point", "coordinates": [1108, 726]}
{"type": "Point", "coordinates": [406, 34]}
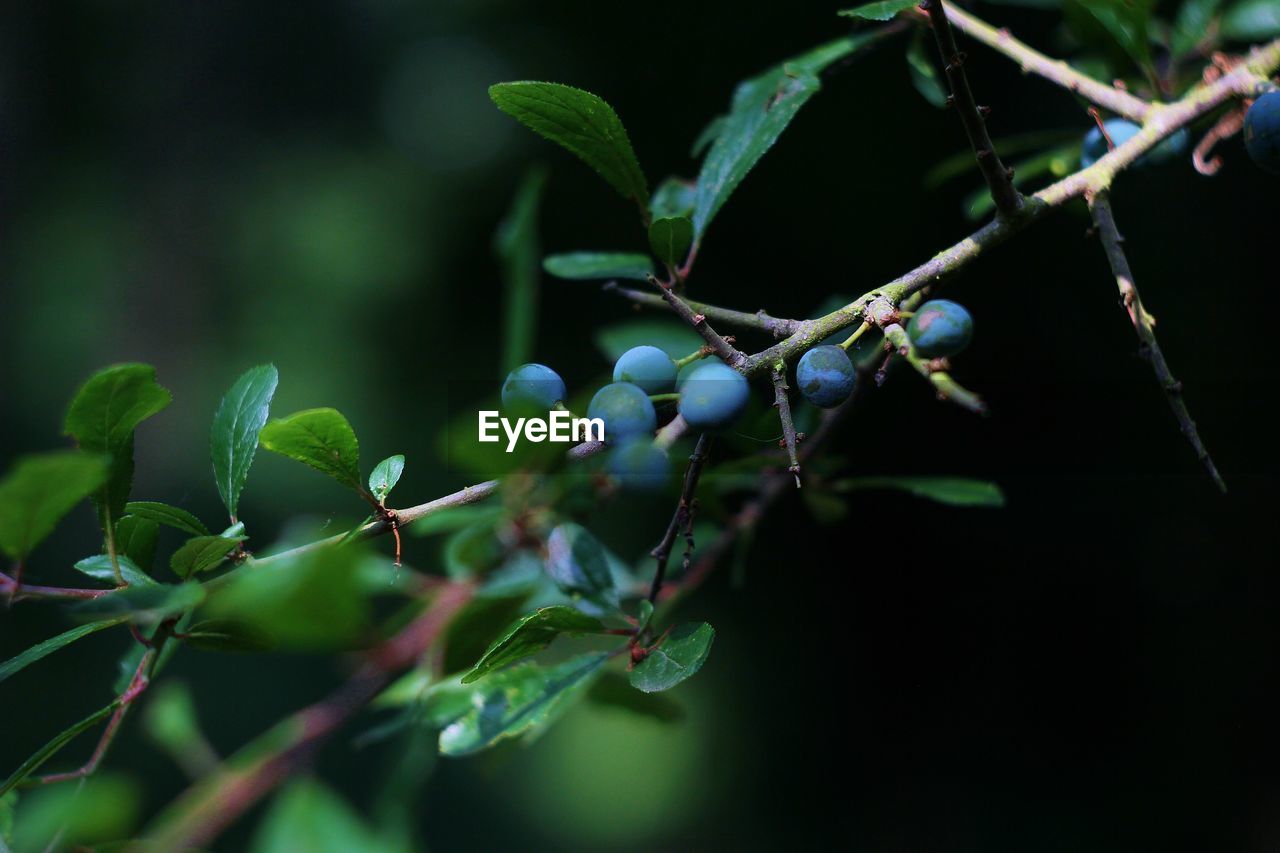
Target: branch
{"type": "Point", "coordinates": [760, 320]}
{"type": "Point", "coordinates": [16, 591]}
{"type": "Point", "coordinates": [999, 178]}
{"type": "Point", "coordinates": [682, 516]}
{"type": "Point", "coordinates": [698, 321]}
{"type": "Point", "coordinates": [948, 389]}
{"type": "Point", "coordinates": [1112, 242]}
{"type": "Point", "coordinates": [783, 404]}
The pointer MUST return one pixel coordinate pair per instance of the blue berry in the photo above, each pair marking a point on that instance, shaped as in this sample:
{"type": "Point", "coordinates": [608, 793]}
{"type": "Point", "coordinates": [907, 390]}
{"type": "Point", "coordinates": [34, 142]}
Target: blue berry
{"type": "Point", "coordinates": [639, 465]}
{"type": "Point", "coordinates": [1121, 131]}
{"type": "Point", "coordinates": [826, 376]}
{"type": "Point", "coordinates": [940, 328]}
{"type": "Point", "coordinates": [646, 366]}
{"type": "Point", "coordinates": [625, 409]}
{"type": "Point", "coordinates": [689, 369]}
{"type": "Point", "coordinates": [714, 396]}
{"type": "Point", "coordinates": [1262, 132]}
{"type": "Point", "coordinates": [532, 388]}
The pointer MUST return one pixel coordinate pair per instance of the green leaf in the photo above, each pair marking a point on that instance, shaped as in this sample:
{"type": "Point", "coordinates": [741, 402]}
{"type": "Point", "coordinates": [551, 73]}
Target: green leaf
{"type": "Point", "coordinates": [670, 239]}
{"type": "Point", "coordinates": [577, 562]}
{"type": "Point", "coordinates": [7, 803]}
{"type": "Point", "coordinates": [520, 700]}
{"type": "Point", "coordinates": [673, 197]}
{"type": "Point", "coordinates": [51, 748]}
{"type": "Point", "coordinates": [51, 645]}
{"type": "Point", "coordinates": [680, 656]}
{"type": "Point", "coordinates": [453, 519]}
{"type": "Point", "coordinates": [99, 566]}
{"type": "Point", "coordinates": [1128, 22]}
{"type": "Point", "coordinates": [103, 416]}
{"type": "Point", "coordinates": [307, 817]}
{"type": "Point", "coordinates": [321, 438]}
{"type": "Point", "coordinates": [516, 247]}
{"type": "Point", "coordinates": [81, 816]}
{"type": "Point", "coordinates": [144, 604]}
{"type": "Point", "coordinates": [955, 491]}
{"type": "Point", "coordinates": [672, 337]}
{"type": "Point", "coordinates": [531, 634]}
{"type": "Point", "coordinates": [170, 516]}
{"type": "Point", "coordinates": [202, 553]}
{"type": "Point", "coordinates": [385, 476]}
{"type": "Point", "coordinates": [580, 122]}
{"type": "Point", "coordinates": [613, 690]}
{"type": "Point", "coordinates": [171, 723]}
{"type": "Point", "coordinates": [136, 539]}
{"type": "Point", "coordinates": [588, 266]}
{"type": "Point", "coordinates": [233, 439]}
{"type": "Point", "coordinates": [924, 76]}
{"type": "Point", "coordinates": [762, 108]}
{"type": "Point", "coordinates": [707, 135]}
{"type": "Point", "coordinates": [1192, 24]}
{"type": "Point", "coordinates": [41, 489]}
{"type": "Point", "coordinates": [881, 11]}
{"type": "Point", "coordinates": [1252, 20]}
{"type": "Point", "coordinates": [227, 635]}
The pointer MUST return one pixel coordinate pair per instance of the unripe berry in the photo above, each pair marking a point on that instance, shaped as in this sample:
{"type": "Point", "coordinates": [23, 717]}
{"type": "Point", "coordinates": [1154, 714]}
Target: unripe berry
{"type": "Point", "coordinates": [940, 328]}
{"type": "Point", "coordinates": [640, 465]}
{"type": "Point", "coordinates": [826, 376]}
{"type": "Point", "coordinates": [625, 409]}
{"type": "Point", "coordinates": [532, 388]}
{"type": "Point", "coordinates": [646, 366]}
{"type": "Point", "coordinates": [714, 396]}
{"type": "Point", "coordinates": [1262, 132]}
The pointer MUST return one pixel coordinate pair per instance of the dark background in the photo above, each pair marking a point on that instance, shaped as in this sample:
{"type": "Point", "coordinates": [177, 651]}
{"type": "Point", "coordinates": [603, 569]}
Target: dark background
{"type": "Point", "coordinates": [209, 186]}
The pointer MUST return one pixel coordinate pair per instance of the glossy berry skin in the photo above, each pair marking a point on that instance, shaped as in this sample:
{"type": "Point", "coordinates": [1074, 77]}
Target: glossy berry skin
{"type": "Point", "coordinates": [646, 366]}
{"type": "Point", "coordinates": [638, 465]}
{"type": "Point", "coordinates": [940, 328]}
{"type": "Point", "coordinates": [1262, 132]}
{"type": "Point", "coordinates": [532, 388]}
{"type": "Point", "coordinates": [713, 396]}
{"type": "Point", "coordinates": [688, 370]}
{"type": "Point", "coordinates": [826, 376]}
{"type": "Point", "coordinates": [626, 411]}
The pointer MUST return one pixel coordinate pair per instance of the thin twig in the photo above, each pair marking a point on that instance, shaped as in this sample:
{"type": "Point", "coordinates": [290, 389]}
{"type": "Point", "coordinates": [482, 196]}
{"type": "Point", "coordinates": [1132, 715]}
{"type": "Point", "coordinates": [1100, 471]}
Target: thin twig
{"type": "Point", "coordinates": [947, 388]}
{"type": "Point", "coordinates": [783, 404]}
{"type": "Point", "coordinates": [723, 348]}
{"type": "Point", "coordinates": [661, 552]}
{"type": "Point", "coordinates": [776, 326]}
{"type": "Point", "coordinates": [15, 591]}
{"type": "Point", "coordinates": [1112, 243]}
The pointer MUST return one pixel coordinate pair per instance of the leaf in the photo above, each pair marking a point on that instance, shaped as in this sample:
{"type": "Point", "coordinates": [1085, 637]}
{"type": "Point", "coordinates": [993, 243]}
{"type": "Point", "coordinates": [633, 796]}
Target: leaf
{"type": "Point", "coordinates": [517, 701]}
{"type": "Point", "coordinates": [51, 645]}
{"type": "Point", "coordinates": [385, 476]}
{"type": "Point", "coordinates": [530, 634]}
{"type": "Point", "coordinates": [673, 197]}
{"type": "Point", "coordinates": [576, 561]}
{"type": "Point", "coordinates": [1192, 24]}
{"type": "Point", "coordinates": [307, 817]}
{"type": "Point", "coordinates": [202, 553]}
{"type": "Point", "coordinates": [170, 516]}
{"type": "Point", "coordinates": [587, 266]}
{"type": "Point", "coordinates": [613, 690]}
{"type": "Point", "coordinates": [516, 247]}
{"type": "Point", "coordinates": [55, 744]}
{"type": "Point", "coordinates": [955, 491]}
{"type": "Point", "coordinates": [680, 656]}
{"type": "Point", "coordinates": [233, 440]}
{"type": "Point", "coordinates": [924, 76]}
{"type": "Point", "coordinates": [707, 135]}
{"type": "Point", "coordinates": [99, 566]}
{"type": "Point", "coordinates": [580, 122]}
{"type": "Point", "coordinates": [1128, 22]}
{"type": "Point", "coordinates": [880, 11]}
{"type": "Point", "coordinates": [321, 438]}
{"type": "Point", "coordinates": [81, 816]}
{"type": "Point", "coordinates": [762, 108]}
{"type": "Point", "coordinates": [227, 635]}
{"type": "Point", "coordinates": [144, 604]}
{"type": "Point", "coordinates": [39, 490]}
{"type": "Point", "coordinates": [670, 239]}
{"type": "Point", "coordinates": [136, 539]}
{"type": "Point", "coordinates": [452, 519]}
{"type": "Point", "coordinates": [1252, 20]}
{"type": "Point", "coordinates": [672, 337]}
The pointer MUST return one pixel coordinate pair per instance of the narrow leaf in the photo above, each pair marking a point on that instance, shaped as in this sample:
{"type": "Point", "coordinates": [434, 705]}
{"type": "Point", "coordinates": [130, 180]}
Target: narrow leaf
{"type": "Point", "coordinates": [99, 566]}
{"type": "Point", "coordinates": [576, 561]}
{"type": "Point", "coordinates": [40, 490]}
{"type": "Point", "coordinates": [585, 266]}
{"type": "Point", "coordinates": [670, 239]}
{"type": "Point", "coordinates": [228, 635]}
{"type": "Point", "coordinates": [147, 604]}
{"type": "Point", "coordinates": [233, 440]}
{"type": "Point", "coordinates": [580, 122]}
{"type": "Point", "coordinates": [51, 645]}
{"type": "Point", "coordinates": [385, 476]}
{"type": "Point", "coordinates": [679, 657]}
{"type": "Point", "coordinates": [881, 11]}
{"type": "Point", "coordinates": [516, 247]}
{"type": "Point", "coordinates": [170, 516]}
{"type": "Point", "coordinates": [924, 76]}
{"type": "Point", "coordinates": [955, 491]}
{"type": "Point", "coordinates": [1128, 22]}
{"type": "Point", "coordinates": [321, 438]}
{"type": "Point", "coordinates": [1252, 20]}
{"type": "Point", "coordinates": [201, 554]}
{"type": "Point", "coordinates": [51, 748]}
{"type": "Point", "coordinates": [531, 634]}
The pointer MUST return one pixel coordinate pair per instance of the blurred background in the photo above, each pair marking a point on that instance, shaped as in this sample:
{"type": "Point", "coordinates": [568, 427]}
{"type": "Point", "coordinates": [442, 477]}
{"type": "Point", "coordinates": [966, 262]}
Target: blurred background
{"type": "Point", "coordinates": [209, 186]}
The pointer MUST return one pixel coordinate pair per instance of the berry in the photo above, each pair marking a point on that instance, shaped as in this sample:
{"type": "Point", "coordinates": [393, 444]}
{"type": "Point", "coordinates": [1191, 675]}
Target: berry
{"type": "Point", "coordinates": [826, 376]}
{"type": "Point", "coordinates": [639, 465]}
{"type": "Point", "coordinates": [1121, 131]}
{"type": "Point", "coordinates": [532, 388]}
{"type": "Point", "coordinates": [713, 396]}
{"type": "Point", "coordinates": [625, 409]}
{"type": "Point", "coordinates": [688, 370]}
{"type": "Point", "coordinates": [646, 366]}
{"type": "Point", "coordinates": [1262, 132]}
{"type": "Point", "coordinates": [940, 328]}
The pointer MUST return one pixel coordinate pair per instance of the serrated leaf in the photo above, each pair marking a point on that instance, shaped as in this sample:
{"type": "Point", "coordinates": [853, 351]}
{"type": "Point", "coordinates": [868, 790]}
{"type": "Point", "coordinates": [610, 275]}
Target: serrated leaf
{"type": "Point", "coordinates": [202, 553]}
{"type": "Point", "coordinates": [1128, 22]}
{"type": "Point", "coordinates": [51, 645]}
{"type": "Point", "coordinates": [516, 246]}
{"type": "Point", "coordinates": [613, 690]}
{"type": "Point", "coordinates": [170, 516]}
{"type": "Point", "coordinates": [581, 123]}
{"type": "Point", "coordinates": [136, 539]}
{"type": "Point", "coordinates": [670, 239]}
{"type": "Point", "coordinates": [531, 634]}
{"type": "Point", "coordinates": [145, 604]}
{"type": "Point", "coordinates": [673, 197]}
{"type": "Point", "coordinates": [321, 438]}
{"type": "Point", "coordinates": [955, 491]}
{"type": "Point", "coordinates": [924, 76]}
{"type": "Point", "coordinates": [519, 701]}
{"type": "Point", "coordinates": [578, 564]}
{"type": "Point", "coordinates": [589, 266]}
{"type": "Point", "coordinates": [54, 745]}
{"type": "Point", "coordinates": [233, 439]}
{"type": "Point", "coordinates": [42, 488]}
{"type": "Point", "coordinates": [880, 11]}
{"type": "Point", "coordinates": [1252, 20]}
{"type": "Point", "coordinates": [762, 108]}
{"type": "Point", "coordinates": [679, 657]}
{"type": "Point", "coordinates": [385, 476]}
{"type": "Point", "coordinates": [99, 566]}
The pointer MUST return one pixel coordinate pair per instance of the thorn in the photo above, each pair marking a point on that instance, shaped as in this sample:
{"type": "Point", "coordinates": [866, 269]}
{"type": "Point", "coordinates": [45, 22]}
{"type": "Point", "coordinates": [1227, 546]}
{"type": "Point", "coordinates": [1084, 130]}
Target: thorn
{"type": "Point", "coordinates": [984, 111]}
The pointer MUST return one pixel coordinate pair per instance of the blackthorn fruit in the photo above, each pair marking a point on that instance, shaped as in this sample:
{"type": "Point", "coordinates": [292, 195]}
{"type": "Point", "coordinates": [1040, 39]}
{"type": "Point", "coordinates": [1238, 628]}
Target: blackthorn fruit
{"type": "Point", "coordinates": [713, 396]}
{"type": "Point", "coordinates": [639, 465]}
{"type": "Point", "coordinates": [532, 388]}
{"type": "Point", "coordinates": [646, 366]}
{"type": "Point", "coordinates": [940, 328]}
{"type": "Point", "coordinates": [625, 409]}
{"type": "Point", "coordinates": [1262, 132]}
{"type": "Point", "coordinates": [826, 376]}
